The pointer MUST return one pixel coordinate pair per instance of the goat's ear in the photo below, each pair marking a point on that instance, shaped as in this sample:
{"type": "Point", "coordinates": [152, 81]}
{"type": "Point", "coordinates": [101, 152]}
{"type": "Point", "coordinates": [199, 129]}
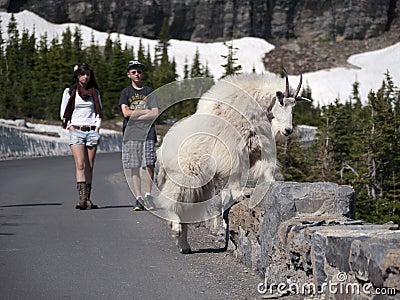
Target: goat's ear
{"type": "Point", "coordinates": [301, 99]}
{"type": "Point", "coordinates": [280, 96]}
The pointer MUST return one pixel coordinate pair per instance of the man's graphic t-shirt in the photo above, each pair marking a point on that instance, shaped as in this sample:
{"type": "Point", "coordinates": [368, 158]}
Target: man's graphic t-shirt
{"type": "Point", "coordinates": [137, 130]}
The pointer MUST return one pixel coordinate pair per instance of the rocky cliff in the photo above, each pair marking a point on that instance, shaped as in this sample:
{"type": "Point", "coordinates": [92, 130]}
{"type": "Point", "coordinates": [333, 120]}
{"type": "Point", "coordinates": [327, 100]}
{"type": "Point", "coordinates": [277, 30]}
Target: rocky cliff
{"type": "Point", "coordinates": [212, 20]}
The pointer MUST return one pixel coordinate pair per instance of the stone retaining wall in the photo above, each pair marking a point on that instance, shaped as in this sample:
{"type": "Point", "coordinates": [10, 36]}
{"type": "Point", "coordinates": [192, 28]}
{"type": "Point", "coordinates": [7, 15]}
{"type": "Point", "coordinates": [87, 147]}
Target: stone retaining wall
{"type": "Point", "coordinates": [20, 142]}
{"type": "Point", "coordinates": [304, 234]}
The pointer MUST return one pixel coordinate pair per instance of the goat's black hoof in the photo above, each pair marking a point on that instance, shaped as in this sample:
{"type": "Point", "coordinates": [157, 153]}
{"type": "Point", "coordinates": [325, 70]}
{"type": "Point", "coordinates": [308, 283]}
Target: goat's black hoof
{"type": "Point", "coordinates": [186, 251]}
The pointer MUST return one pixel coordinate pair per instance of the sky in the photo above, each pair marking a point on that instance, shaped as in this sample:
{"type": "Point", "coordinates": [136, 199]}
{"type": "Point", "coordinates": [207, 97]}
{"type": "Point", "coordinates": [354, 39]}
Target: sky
{"type": "Point", "coordinates": [326, 85]}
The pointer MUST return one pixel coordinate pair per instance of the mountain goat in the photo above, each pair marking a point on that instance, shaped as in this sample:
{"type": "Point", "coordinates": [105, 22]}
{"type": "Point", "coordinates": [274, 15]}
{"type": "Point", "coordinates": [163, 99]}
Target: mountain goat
{"type": "Point", "coordinates": [207, 158]}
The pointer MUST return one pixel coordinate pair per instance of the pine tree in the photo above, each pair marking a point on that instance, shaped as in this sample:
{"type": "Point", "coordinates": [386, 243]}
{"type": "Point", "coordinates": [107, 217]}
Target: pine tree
{"type": "Point", "coordinates": [12, 88]}
{"type": "Point", "coordinates": [294, 159]}
{"type": "Point", "coordinates": [377, 186]}
{"type": "Point", "coordinates": [77, 54]}
{"type": "Point", "coordinates": [57, 80]}
{"type": "Point", "coordinates": [27, 103]}
{"type": "Point", "coordinates": [353, 171]}
{"type": "Point", "coordinates": [116, 80]}
{"type": "Point", "coordinates": [207, 72]}
{"type": "Point", "coordinates": [305, 113]}
{"type": "Point", "coordinates": [148, 76]}
{"type": "Point", "coordinates": [386, 144]}
{"type": "Point", "coordinates": [140, 53]}
{"type": "Point", "coordinates": [101, 68]}
{"type": "Point", "coordinates": [165, 70]}
{"type": "Point", "coordinates": [41, 83]}
{"type": "Point", "coordinates": [3, 77]}
{"type": "Point", "coordinates": [197, 68]}
{"type": "Point", "coordinates": [108, 49]}
{"type": "Point", "coordinates": [96, 61]}
{"type": "Point", "coordinates": [68, 58]}
{"type": "Point", "coordinates": [231, 67]}
{"type": "Point", "coordinates": [343, 137]}
{"type": "Point", "coordinates": [185, 69]}
{"type": "Point", "coordinates": [323, 167]}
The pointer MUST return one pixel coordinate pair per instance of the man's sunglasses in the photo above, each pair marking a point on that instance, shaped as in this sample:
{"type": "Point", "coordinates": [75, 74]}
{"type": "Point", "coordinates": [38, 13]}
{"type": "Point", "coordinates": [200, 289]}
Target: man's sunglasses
{"type": "Point", "coordinates": [133, 72]}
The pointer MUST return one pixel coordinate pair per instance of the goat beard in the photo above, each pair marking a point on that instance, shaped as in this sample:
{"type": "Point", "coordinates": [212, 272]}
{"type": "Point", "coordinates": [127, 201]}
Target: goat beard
{"type": "Point", "coordinates": [280, 139]}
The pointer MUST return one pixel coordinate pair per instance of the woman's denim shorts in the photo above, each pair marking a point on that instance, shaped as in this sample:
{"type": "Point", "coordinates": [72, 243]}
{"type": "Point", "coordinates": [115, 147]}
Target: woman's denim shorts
{"type": "Point", "coordinates": [88, 138]}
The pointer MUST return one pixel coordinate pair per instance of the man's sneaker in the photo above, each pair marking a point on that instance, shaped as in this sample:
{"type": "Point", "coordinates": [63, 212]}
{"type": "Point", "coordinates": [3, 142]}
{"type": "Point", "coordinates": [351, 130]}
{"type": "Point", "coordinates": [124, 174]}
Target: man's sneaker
{"type": "Point", "coordinates": [138, 206]}
{"type": "Point", "coordinates": [148, 202]}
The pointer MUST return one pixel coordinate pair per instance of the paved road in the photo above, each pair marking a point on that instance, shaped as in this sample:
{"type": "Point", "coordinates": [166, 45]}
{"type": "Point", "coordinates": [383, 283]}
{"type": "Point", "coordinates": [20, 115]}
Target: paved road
{"type": "Point", "coordinates": [49, 250]}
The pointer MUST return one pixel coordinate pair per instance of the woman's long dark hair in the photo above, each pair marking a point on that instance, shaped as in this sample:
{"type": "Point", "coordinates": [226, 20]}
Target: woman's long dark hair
{"type": "Point", "coordinates": [81, 69]}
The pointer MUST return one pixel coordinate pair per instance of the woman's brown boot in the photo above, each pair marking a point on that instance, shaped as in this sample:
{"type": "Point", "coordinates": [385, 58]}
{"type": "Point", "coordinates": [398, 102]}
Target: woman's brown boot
{"type": "Point", "coordinates": [89, 203]}
{"type": "Point", "coordinates": [81, 186]}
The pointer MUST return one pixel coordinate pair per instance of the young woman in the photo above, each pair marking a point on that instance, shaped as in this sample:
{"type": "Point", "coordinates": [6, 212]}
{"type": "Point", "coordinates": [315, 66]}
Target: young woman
{"type": "Point", "coordinates": [81, 113]}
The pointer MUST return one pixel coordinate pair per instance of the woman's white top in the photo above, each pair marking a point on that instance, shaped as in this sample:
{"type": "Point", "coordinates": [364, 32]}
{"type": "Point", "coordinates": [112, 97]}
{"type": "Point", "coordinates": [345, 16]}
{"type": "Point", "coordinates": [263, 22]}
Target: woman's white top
{"type": "Point", "coordinates": [84, 112]}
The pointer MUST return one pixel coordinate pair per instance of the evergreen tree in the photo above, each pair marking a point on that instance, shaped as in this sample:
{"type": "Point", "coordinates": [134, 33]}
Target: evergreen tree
{"type": "Point", "coordinates": [231, 67]}
{"type": "Point", "coordinates": [185, 69]}
{"type": "Point", "coordinates": [66, 47]}
{"type": "Point", "coordinates": [108, 59]}
{"type": "Point", "coordinates": [207, 72]}
{"type": "Point", "coordinates": [141, 53]}
{"type": "Point", "coordinates": [323, 168]}
{"type": "Point", "coordinates": [12, 88]}
{"type": "Point", "coordinates": [95, 59]}
{"type": "Point", "coordinates": [352, 172]}
{"type": "Point", "coordinates": [383, 163]}
{"type": "Point", "coordinates": [343, 132]}
{"type": "Point", "coordinates": [165, 70]}
{"type": "Point", "coordinates": [196, 69]}
{"type": "Point", "coordinates": [58, 79]}
{"type": "Point", "coordinates": [116, 80]}
{"type": "Point", "coordinates": [294, 159]}
{"type": "Point", "coordinates": [148, 77]}
{"type": "Point", "coordinates": [27, 105]}
{"type": "Point", "coordinates": [3, 76]}
{"type": "Point", "coordinates": [41, 83]}
{"type": "Point", "coordinates": [77, 55]}
{"type": "Point", "coordinates": [68, 58]}
{"type": "Point", "coordinates": [108, 49]}
{"type": "Point", "coordinates": [188, 107]}
{"type": "Point", "coordinates": [305, 113]}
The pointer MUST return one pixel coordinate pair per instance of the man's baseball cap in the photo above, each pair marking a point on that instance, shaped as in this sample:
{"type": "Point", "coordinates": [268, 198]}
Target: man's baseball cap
{"type": "Point", "coordinates": [134, 64]}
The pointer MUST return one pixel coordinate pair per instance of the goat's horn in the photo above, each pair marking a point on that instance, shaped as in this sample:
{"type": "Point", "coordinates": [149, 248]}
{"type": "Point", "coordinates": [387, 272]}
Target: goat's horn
{"type": "Point", "coordinates": [298, 87]}
{"type": "Point", "coordinates": [287, 84]}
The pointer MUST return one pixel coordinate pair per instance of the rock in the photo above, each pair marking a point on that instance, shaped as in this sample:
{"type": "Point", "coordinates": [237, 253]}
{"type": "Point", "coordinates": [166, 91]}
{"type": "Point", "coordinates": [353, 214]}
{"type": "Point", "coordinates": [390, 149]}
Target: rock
{"type": "Point", "coordinates": [4, 4]}
{"type": "Point", "coordinates": [377, 260]}
{"type": "Point", "coordinates": [214, 20]}
{"type": "Point", "coordinates": [20, 123]}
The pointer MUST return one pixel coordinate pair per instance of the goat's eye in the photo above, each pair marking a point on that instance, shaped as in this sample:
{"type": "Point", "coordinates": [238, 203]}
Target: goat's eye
{"type": "Point", "coordinates": [280, 96]}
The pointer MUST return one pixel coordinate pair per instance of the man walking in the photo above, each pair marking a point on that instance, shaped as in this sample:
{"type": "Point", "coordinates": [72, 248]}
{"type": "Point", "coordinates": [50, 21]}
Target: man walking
{"type": "Point", "coordinates": [139, 108]}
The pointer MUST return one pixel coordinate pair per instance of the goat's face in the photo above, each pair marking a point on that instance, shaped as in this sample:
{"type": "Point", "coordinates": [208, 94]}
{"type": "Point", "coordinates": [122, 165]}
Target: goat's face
{"type": "Point", "coordinates": [282, 114]}
{"type": "Point", "coordinates": [281, 111]}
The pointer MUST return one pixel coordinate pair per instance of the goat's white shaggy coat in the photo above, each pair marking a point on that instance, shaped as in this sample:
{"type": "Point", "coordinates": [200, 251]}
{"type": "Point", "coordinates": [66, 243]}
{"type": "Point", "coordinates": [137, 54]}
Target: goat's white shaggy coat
{"type": "Point", "coordinates": [210, 155]}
